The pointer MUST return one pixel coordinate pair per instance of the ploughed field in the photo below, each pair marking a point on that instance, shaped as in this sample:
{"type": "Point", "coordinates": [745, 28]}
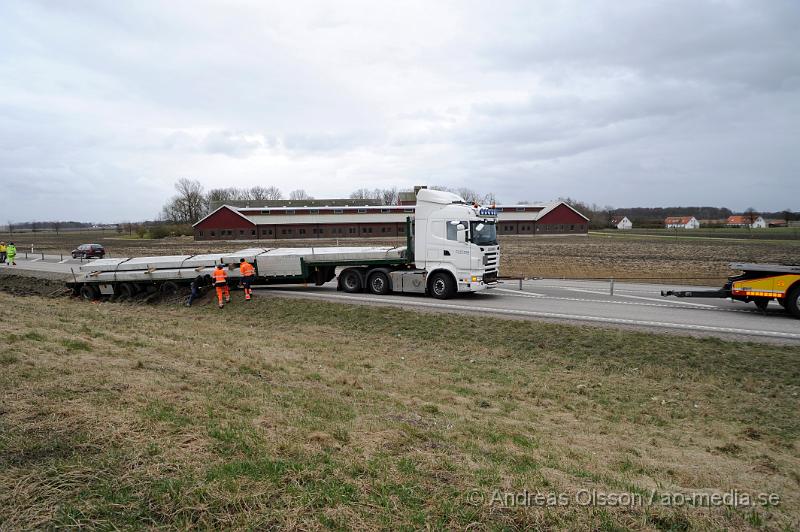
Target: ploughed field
{"type": "Point", "coordinates": [289, 414]}
{"type": "Point", "coordinates": [702, 261]}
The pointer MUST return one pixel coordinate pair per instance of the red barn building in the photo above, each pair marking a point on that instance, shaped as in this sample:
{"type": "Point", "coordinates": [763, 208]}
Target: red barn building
{"type": "Point", "coordinates": [345, 221]}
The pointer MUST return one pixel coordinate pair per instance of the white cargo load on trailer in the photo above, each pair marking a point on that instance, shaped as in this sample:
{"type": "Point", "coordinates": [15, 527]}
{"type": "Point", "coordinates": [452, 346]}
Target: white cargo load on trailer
{"type": "Point", "coordinates": [281, 262]}
{"type": "Point", "coordinates": [270, 262]}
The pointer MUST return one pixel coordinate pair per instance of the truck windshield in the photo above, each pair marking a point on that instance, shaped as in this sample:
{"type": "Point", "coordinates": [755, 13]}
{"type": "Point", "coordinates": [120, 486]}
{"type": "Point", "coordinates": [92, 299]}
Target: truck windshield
{"type": "Point", "coordinates": [483, 233]}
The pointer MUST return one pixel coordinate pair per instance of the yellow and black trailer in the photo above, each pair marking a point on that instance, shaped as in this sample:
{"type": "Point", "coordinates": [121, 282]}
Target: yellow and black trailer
{"type": "Point", "coordinates": [759, 283]}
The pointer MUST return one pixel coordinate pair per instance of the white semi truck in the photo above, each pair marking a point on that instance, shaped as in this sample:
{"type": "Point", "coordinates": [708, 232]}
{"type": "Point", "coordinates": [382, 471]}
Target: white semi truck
{"type": "Point", "coordinates": [451, 246]}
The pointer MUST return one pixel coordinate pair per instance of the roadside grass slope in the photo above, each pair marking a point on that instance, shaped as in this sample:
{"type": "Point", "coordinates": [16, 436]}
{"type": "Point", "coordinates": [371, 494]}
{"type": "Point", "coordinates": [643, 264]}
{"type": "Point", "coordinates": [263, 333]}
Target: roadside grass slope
{"type": "Point", "coordinates": [287, 413]}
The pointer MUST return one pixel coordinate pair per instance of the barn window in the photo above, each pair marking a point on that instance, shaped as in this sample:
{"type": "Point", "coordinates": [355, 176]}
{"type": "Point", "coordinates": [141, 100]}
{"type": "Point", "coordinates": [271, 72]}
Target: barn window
{"type": "Point", "coordinates": [337, 211]}
{"type": "Point", "coordinates": [571, 227]}
{"type": "Point", "coordinates": [408, 210]}
{"type": "Point", "coordinates": [213, 233]}
{"type": "Point", "coordinates": [302, 231]}
{"type": "Point", "coordinates": [290, 211]}
{"type": "Point", "coordinates": [313, 211]}
{"type": "Point", "coordinates": [369, 230]}
{"type": "Point", "coordinates": [201, 233]}
{"type": "Point", "coordinates": [265, 212]}
{"type": "Point", "coordinates": [352, 229]}
{"type": "Point", "coordinates": [520, 209]}
{"type": "Point", "coordinates": [253, 232]}
{"type": "Point", "coordinates": [362, 211]}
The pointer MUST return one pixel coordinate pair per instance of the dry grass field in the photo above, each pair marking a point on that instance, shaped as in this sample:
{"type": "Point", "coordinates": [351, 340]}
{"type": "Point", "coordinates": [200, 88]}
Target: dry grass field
{"type": "Point", "coordinates": [689, 260]}
{"type": "Point", "coordinates": [306, 415]}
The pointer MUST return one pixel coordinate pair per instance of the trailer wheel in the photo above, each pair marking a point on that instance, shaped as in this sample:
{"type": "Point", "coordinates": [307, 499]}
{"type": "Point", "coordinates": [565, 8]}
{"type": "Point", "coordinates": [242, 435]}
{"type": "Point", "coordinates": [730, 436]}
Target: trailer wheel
{"type": "Point", "coordinates": [126, 290]}
{"type": "Point", "coordinates": [350, 281]}
{"type": "Point", "coordinates": [378, 283]}
{"type": "Point", "coordinates": [89, 292]}
{"type": "Point", "coordinates": [441, 286]}
{"type": "Point", "coordinates": [169, 289]}
{"type": "Point", "coordinates": [793, 301]}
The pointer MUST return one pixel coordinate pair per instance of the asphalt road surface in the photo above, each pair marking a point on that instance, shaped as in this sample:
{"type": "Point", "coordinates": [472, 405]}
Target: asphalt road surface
{"type": "Point", "coordinates": [636, 306]}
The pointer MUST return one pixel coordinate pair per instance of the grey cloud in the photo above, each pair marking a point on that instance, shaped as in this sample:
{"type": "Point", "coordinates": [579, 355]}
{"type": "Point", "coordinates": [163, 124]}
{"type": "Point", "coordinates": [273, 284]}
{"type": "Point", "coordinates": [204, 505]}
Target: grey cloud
{"type": "Point", "coordinates": [674, 102]}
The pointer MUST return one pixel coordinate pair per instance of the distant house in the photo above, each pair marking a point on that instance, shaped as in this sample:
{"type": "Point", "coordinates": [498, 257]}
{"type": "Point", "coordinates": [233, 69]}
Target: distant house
{"type": "Point", "coordinates": [621, 222]}
{"type": "Point", "coordinates": [744, 221]}
{"type": "Point", "coordinates": [777, 223]}
{"type": "Point", "coordinates": [681, 222]}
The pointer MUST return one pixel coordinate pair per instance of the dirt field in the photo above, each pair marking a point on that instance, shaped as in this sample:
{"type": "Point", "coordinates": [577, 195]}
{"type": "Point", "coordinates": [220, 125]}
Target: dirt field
{"type": "Point", "coordinates": [305, 415]}
{"type": "Point", "coordinates": [687, 260]}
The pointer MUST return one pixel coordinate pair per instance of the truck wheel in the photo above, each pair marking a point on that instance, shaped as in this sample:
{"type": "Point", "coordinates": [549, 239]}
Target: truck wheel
{"type": "Point", "coordinates": [89, 292]}
{"type": "Point", "coordinates": [441, 286]}
{"type": "Point", "coordinates": [793, 302]}
{"type": "Point", "coordinates": [378, 283]}
{"type": "Point", "coordinates": [350, 281]}
{"type": "Point", "coordinates": [761, 303]}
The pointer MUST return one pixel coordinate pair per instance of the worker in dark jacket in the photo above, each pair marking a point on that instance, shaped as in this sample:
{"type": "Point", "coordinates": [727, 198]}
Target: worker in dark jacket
{"type": "Point", "coordinates": [197, 287]}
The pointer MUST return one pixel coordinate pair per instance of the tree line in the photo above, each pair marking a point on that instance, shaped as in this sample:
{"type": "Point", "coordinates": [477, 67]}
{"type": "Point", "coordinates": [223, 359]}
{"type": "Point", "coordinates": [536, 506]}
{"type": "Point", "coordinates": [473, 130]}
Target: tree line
{"type": "Point", "coordinates": [192, 202]}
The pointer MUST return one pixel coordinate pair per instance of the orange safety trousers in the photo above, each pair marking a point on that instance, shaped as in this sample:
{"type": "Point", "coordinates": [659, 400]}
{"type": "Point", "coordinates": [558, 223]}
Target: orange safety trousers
{"type": "Point", "coordinates": [223, 291]}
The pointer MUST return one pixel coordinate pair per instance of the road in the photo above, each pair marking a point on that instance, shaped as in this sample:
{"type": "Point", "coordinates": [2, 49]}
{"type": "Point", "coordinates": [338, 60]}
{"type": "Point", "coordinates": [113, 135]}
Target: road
{"type": "Point", "coordinates": [635, 306]}
{"type": "Point", "coordinates": [638, 306]}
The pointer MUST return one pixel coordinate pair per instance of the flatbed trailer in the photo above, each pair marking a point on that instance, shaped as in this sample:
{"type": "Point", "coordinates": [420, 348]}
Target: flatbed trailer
{"type": "Point", "coordinates": [451, 246]}
{"type": "Point", "coordinates": [759, 283]}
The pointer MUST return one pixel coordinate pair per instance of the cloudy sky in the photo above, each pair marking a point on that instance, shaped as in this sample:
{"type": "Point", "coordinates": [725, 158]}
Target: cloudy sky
{"type": "Point", "coordinates": [103, 105]}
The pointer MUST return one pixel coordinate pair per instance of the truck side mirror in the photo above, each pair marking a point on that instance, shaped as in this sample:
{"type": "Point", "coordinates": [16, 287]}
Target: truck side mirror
{"type": "Point", "coordinates": [461, 233]}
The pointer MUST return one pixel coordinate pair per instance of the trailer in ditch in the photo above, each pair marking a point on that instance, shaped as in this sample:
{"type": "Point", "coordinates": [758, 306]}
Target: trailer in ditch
{"type": "Point", "coordinates": [451, 246]}
{"type": "Point", "coordinates": [759, 283]}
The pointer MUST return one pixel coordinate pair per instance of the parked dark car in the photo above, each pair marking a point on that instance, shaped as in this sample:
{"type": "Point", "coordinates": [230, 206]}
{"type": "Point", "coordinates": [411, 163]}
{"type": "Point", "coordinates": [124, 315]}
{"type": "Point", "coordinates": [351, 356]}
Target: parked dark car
{"type": "Point", "coordinates": [89, 251]}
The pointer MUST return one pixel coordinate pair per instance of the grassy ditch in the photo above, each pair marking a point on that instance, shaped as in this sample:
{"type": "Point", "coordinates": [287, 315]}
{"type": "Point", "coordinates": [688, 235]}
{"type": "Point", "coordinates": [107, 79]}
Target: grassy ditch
{"type": "Point", "coordinates": [295, 414]}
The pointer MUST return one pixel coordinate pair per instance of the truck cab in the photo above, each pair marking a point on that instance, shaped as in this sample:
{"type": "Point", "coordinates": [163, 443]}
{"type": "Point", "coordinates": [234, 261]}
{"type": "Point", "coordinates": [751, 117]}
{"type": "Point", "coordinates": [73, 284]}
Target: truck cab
{"type": "Point", "coordinates": [455, 239]}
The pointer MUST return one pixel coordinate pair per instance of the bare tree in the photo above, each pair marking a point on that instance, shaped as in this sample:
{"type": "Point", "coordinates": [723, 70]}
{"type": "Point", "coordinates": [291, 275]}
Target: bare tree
{"type": "Point", "coordinates": [299, 194]}
{"type": "Point", "coordinates": [269, 193]}
{"type": "Point", "coordinates": [390, 196]}
{"type": "Point", "coordinates": [10, 228]}
{"type": "Point", "coordinates": [189, 205]}
{"type": "Point", "coordinates": [750, 215]}
{"type": "Point", "coordinates": [365, 194]}
{"type": "Point", "coordinates": [56, 226]}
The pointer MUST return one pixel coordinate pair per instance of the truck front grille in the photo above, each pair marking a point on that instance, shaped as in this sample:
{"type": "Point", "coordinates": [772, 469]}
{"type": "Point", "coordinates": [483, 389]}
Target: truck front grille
{"type": "Point", "coordinates": [490, 261]}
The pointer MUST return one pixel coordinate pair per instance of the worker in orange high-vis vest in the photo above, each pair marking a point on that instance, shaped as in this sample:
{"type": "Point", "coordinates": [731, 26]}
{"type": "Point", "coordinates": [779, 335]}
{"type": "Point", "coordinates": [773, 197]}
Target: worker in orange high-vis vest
{"type": "Point", "coordinates": [248, 276]}
{"type": "Point", "coordinates": [220, 277]}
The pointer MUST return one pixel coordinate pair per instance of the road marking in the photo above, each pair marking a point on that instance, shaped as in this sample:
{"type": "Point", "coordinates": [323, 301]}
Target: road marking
{"type": "Point", "coordinates": [555, 315]}
{"type": "Point", "coordinates": [645, 298]}
{"type": "Point", "coordinates": [519, 292]}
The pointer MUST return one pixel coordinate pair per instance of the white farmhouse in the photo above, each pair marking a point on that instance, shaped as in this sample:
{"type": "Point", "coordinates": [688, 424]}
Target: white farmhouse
{"type": "Point", "coordinates": [621, 222]}
{"type": "Point", "coordinates": [744, 221]}
{"type": "Point", "coordinates": [681, 222]}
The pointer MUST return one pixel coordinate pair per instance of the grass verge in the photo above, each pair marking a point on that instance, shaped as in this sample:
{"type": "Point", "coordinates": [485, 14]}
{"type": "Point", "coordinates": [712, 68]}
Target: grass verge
{"type": "Point", "coordinates": [295, 414]}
